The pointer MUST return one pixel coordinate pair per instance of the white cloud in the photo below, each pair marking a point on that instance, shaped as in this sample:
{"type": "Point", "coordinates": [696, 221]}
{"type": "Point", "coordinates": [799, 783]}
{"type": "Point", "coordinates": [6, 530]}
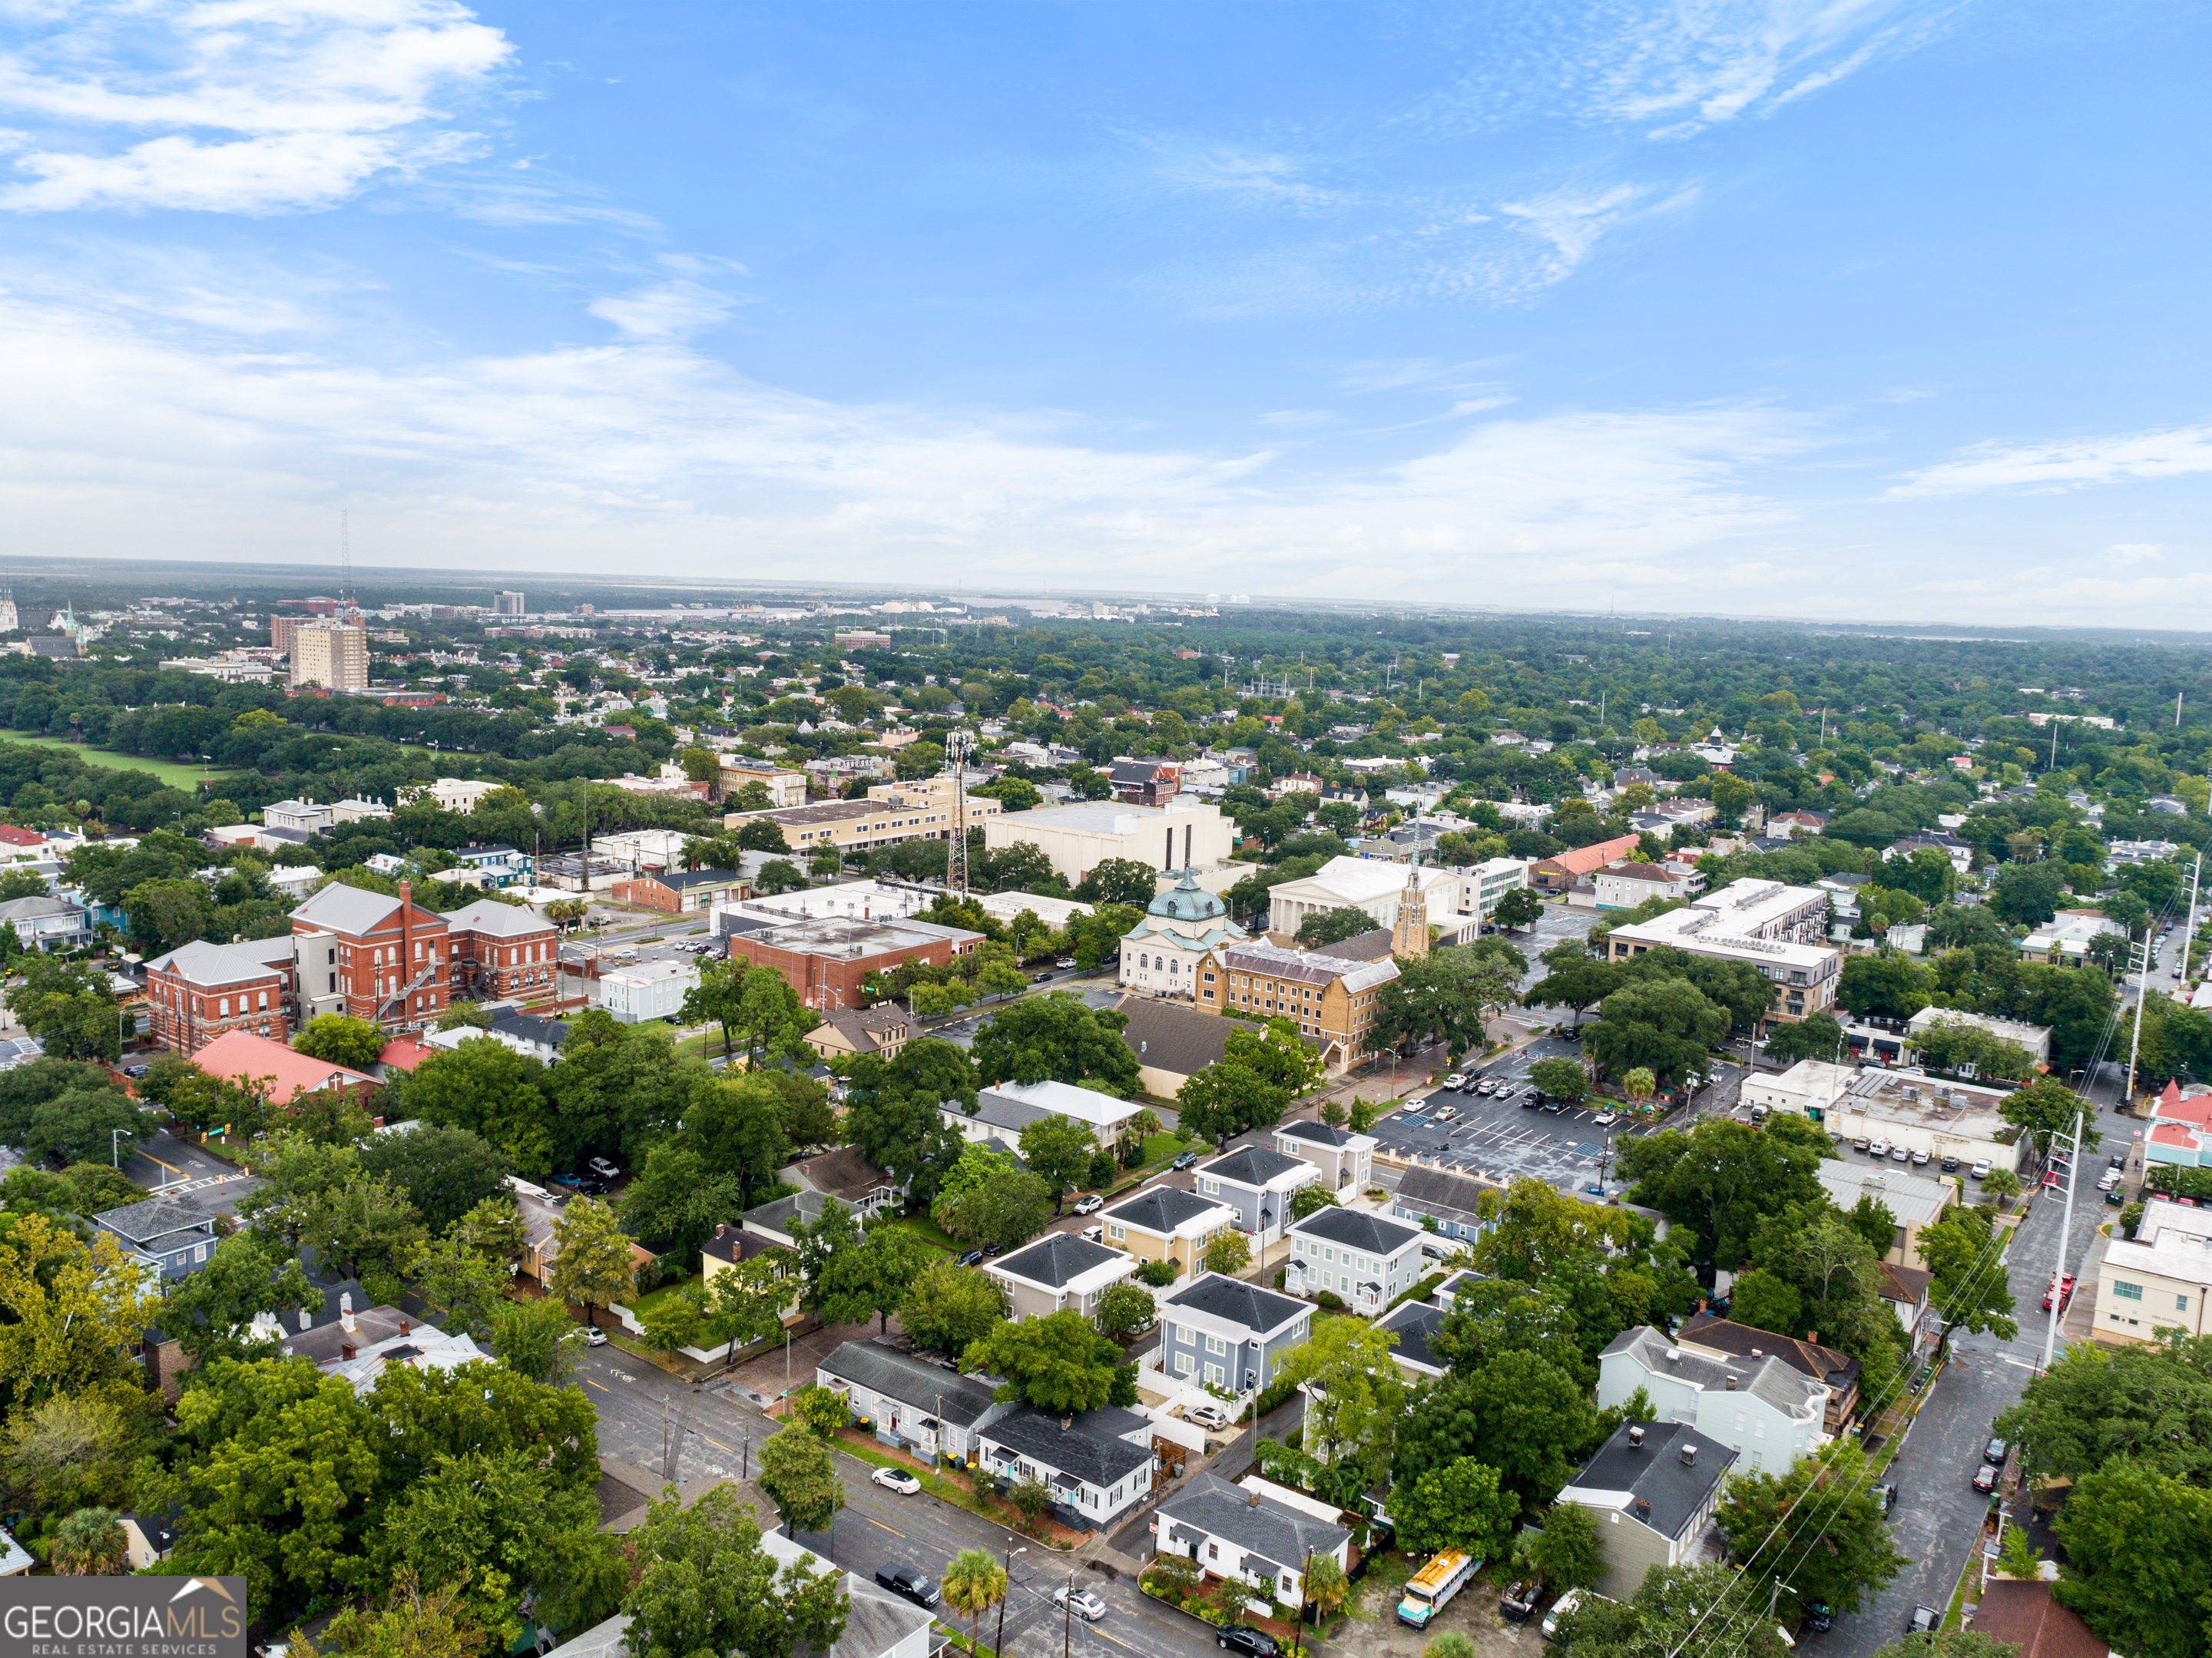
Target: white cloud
{"type": "Point", "coordinates": [666, 311]}
{"type": "Point", "coordinates": [2067, 462]}
{"type": "Point", "coordinates": [254, 106]}
{"type": "Point", "coordinates": [2133, 552]}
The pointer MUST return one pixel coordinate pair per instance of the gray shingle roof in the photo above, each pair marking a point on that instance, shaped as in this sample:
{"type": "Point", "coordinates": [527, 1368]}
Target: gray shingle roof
{"type": "Point", "coordinates": [1359, 1228]}
{"type": "Point", "coordinates": [1309, 1128]}
{"type": "Point", "coordinates": [1167, 1036]}
{"type": "Point", "coordinates": [1274, 1531]}
{"type": "Point", "coordinates": [1414, 1322]}
{"type": "Point", "coordinates": [1088, 1447]}
{"type": "Point", "coordinates": [1258, 1310]}
{"type": "Point", "coordinates": [154, 1219]}
{"type": "Point", "coordinates": [1654, 1473]}
{"type": "Point", "coordinates": [1161, 1209]}
{"type": "Point", "coordinates": [1434, 1192]}
{"type": "Point", "coordinates": [894, 1375]}
{"type": "Point", "coordinates": [1254, 1165]}
{"type": "Point", "coordinates": [499, 920]}
{"type": "Point", "coordinates": [202, 964]}
{"type": "Point", "coordinates": [1057, 1259]}
{"type": "Point", "coordinates": [341, 909]}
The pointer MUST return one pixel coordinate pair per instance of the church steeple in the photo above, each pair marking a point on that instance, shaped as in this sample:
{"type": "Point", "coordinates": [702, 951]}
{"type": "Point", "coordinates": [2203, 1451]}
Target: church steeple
{"type": "Point", "coordinates": [1409, 933]}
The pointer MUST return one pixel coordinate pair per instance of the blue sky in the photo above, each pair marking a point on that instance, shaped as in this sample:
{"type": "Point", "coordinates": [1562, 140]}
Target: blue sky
{"type": "Point", "coordinates": [1876, 309]}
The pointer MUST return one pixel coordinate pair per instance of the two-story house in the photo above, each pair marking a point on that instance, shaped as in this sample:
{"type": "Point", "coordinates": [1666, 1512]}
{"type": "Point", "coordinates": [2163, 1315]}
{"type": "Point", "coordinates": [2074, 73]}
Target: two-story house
{"type": "Point", "coordinates": [1365, 1260]}
{"type": "Point", "coordinates": [1453, 1203]}
{"type": "Point", "coordinates": [1223, 1332]}
{"type": "Point", "coordinates": [1098, 1465]}
{"type": "Point", "coordinates": [1653, 1486]}
{"type": "Point", "coordinates": [389, 960]}
{"type": "Point", "coordinates": [1766, 1412]}
{"type": "Point", "coordinates": [1163, 1224]}
{"type": "Point", "coordinates": [170, 1237]}
{"type": "Point", "coordinates": [1346, 1160]}
{"type": "Point", "coordinates": [1060, 1271]}
{"type": "Point", "coordinates": [911, 1404]}
{"type": "Point", "coordinates": [1248, 1531]}
{"type": "Point", "coordinates": [1838, 1372]}
{"type": "Point", "coordinates": [1257, 1184]}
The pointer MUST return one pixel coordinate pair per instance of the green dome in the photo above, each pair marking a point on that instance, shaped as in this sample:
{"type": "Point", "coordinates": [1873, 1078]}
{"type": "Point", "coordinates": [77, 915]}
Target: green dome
{"type": "Point", "coordinates": [1186, 901]}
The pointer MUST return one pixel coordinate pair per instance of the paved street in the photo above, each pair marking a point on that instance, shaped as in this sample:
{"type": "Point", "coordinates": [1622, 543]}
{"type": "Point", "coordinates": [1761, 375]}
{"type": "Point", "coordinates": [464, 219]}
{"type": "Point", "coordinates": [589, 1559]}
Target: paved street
{"type": "Point", "coordinates": [167, 1167]}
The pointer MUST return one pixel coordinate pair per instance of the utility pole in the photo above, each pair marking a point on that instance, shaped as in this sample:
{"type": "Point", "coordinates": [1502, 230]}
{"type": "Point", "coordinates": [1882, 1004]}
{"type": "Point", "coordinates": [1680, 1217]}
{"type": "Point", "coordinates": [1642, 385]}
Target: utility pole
{"type": "Point", "coordinates": [2066, 1225]}
{"type": "Point", "coordinates": [999, 1641]}
{"type": "Point", "coordinates": [1067, 1624]}
{"type": "Point", "coordinates": [2189, 937]}
{"type": "Point", "coordinates": [2134, 1043]}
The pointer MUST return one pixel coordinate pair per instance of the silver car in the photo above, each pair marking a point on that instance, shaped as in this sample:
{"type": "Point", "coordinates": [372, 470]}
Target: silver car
{"type": "Point", "coordinates": [1088, 1606]}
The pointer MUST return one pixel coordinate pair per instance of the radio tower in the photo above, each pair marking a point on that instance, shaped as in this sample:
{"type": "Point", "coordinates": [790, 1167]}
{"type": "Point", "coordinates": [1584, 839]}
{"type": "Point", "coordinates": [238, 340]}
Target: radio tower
{"type": "Point", "coordinates": [958, 745]}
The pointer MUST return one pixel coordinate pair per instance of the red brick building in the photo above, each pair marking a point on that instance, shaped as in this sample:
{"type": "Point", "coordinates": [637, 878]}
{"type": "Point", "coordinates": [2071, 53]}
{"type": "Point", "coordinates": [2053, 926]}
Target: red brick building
{"type": "Point", "coordinates": [673, 891]}
{"type": "Point", "coordinates": [501, 950]}
{"type": "Point", "coordinates": [360, 953]}
{"type": "Point", "coordinates": [826, 960]}
{"type": "Point", "coordinates": [199, 991]}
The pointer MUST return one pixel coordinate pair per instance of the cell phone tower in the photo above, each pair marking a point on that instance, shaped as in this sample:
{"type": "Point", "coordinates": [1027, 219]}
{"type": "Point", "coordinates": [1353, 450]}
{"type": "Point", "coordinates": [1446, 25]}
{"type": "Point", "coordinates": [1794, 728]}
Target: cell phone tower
{"type": "Point", "coordinates": [958, 745]}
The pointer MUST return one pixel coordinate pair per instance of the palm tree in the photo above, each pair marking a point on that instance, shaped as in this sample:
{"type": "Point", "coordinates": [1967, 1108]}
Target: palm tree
{"type": "Point", "coordinates": [1327, 1587]}
{"type": "Point", "coordinates": [1639, 1084]}
{"type": "Point", "coordinates": [974, 1583]}
{"type": "Point", "coordinates": [88, 1543]}
{"type": "Point", "coordinates": [2001, 1184]}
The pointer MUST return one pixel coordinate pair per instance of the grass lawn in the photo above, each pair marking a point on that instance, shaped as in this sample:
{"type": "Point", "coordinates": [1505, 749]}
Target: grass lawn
{"type": "Point", "coordinates": [931, 1233]}
{"type": "Point", "coordinates": [174, 773]}
{"type": "Point", "coordinates": [660, 1297]}
{"type": "Point", "coordinates": [1159, 1148]}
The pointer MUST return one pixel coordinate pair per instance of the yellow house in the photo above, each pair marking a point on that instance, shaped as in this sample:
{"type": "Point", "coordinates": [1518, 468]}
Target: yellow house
{"type": "Point", "coordinates": [1166, 1224]}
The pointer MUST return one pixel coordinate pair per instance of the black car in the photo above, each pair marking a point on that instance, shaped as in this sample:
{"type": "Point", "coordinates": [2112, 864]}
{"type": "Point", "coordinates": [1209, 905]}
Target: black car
{"type": "Point", "coordinates": [907, 1581]}
{"type": "Point", "coordinates": [1818, 1617]}
{"type": "Point", "coordinates": [1994, 1453]}
{"type": "Point", "coordinates": [1950, 1165]}
{"type": "Point", "coordinates": [1531, 1100]}
{"type": "Point", "coordinates": [1042, 979]}
{"type": "Point", "coordinates": [2116, 1197]}
{"type": "Point", "coordinates": [1242, 1637]}
{"type": "Point", "coordinates": [1188, 1160]}
{"type": "Point", "coordinates": [590, 1188]}
{"type": "Point", "coordinates": [973, 1258]}
{"type": "Point", "coordinates": [1924, 1620]}
{"type": "Point", "coordinates": [1519, 1601]}
{"type": "Point", "coordinates": [136, 1070]}
{"type": "Point", "coordinates": [990, 1248]}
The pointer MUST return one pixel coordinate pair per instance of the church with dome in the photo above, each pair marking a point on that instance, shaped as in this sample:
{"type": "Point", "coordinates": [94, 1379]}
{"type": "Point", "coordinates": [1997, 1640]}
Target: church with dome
{"type": "Point", "coordinates": [1160, 955]}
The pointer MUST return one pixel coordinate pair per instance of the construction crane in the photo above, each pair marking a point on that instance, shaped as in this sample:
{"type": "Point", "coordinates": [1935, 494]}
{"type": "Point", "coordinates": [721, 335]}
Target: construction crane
{"type": "Point", "coordinates": [958, 745]}
{"type": "Point", "coordinates": [345, 563]}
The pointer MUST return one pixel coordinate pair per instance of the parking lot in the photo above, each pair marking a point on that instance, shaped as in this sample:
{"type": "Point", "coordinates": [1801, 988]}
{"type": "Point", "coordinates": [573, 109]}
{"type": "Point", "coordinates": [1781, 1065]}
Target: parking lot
{"type": "Point", "coordinates": [1503, 1140]}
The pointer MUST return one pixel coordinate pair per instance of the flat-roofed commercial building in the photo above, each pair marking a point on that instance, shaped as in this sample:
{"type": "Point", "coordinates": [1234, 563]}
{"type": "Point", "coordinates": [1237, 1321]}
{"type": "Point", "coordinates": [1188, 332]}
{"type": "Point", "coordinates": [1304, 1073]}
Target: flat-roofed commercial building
{"type": "Point", "coordinates": [825, 960]}
{"type": "Point", "coordinates": [906, 815]}
{"type": "Point", "coordinates": [2157, 1279]}
{"type": "Point", "coordinates": [1770, 925]}
{"type": "Point", "coordinates": [1184, 834]}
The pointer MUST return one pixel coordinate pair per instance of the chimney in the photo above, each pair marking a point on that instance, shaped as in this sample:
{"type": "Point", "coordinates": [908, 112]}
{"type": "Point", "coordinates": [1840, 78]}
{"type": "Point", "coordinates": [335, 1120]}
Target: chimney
{"type": "Point", "coordinates": [345, 1301]}
{"type": "Point", "coordinates": [406, 892]}
{"type": "Point", "coordinates": [345, 1349]}
{"type": "Point", "coordinates": [407, 1325]}
{"type": "Point", "coordinates": [1255, 1502]}
{"type": "Point", "coordinates": [1063, 1423]}
{"type": "Point", "coordinates": [1673, 1355]}
{"type": "Point", "coordinates": [1689, 1456]}
{"type": "Point", "coordinates": [1642, 1507]}
{"type": "Point", "coordinates": [1731, 1385]}
{"type": "Point", "coordinates": [1756, 1352]}
{"type": "Point", "coordinates": [1813, 1336]}
{"type": "Point", "coordinates": [1635, 1436]}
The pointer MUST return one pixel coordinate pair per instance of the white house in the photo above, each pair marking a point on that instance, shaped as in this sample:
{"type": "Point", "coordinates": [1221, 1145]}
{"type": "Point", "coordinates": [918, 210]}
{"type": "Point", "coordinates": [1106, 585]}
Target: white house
{"type": "Point", "coordinates": [1345, 1159]}
{"type": "Point", "coordinates": [1098, 1464]}
{"type": "Point", "coordinates": [650, 990]}
{"type": "Point", "coordinates": [1254, 1531]}
{"type": "Point", "coordinates": [1765, 1411]}
{"type": "Point", "coordinates": [1366, 1261]}
{"type": "Point", "coordinates": [1003, 1110]}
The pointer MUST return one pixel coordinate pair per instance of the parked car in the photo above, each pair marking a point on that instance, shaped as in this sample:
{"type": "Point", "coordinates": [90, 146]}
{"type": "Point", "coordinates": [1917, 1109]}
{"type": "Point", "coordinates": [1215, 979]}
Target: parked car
{"type": "Point", "coordinates": [1994, 1453]}
{"type": "Point", "coordinates": [1878, 1149]}
{"type": "Point", "coordinates": [1885, 1492]}
{"type": "Point", "coordinates": [1445, 1114]}
{"type": "Point", "coordinates": [1518, 1604]}
{"type": "Point", "coordinates": [896, 1479]}
{"type": "Point", "coordinates": [1242, 1637]}
{"type": "Point", "coordinates": [1986, 1479]}
{"type": "Point", "coordinates": [1819, 1619]}
{"type": "Point", "coordinates": [1505, 1092]}
{"type": "Point", "coordinates": [134, 1070]}
{"type": "Point", "coordinates": [1472, 1086]}
{"type": "Point", "coordinates": [973, 1258]}
{"type": "Point", "coordinates": [1950, 1165]}
{"type": "Point", "coordinates": [1606, 1119]}
{"type": "Point", "coordinates": [1555, 1105]}
{"type": "Point", "coordinates": [1902, 1153]}
{"type": "Point", "coordinates": [592, 1188]}
{"type": "Point", "coordinates": [1188, 1160]}
{"type": "Point", "coordinates": [2061, 1287]}
{"type": "Point", "coordinates": [1207, 1414]}
{"type": "Point", "coordinates": [1042, 979]}
{"type": "Point", "coordinates": [1087, 1605]}
{"type": "Point", "coordinates": [1065, 963]}
{"type": "Point", "coordinates": [909, 1582]}
{"type": "Point", "coordinates": [1861, 1143]}
{"type": "Point", "coordinates": [1923, 1621]}
{"type": "Point", "coordinates": [1981, 1169]}
{"type": "Point", "coordinates": [1094, 1233]}
{"type": "Point", "coordinates": [1089, 1205]}
{"type": "Point", "coordinates": [1531, 1100]}
{"type": "Point", "coordinates": [595, 1337]}
{"type": "Point", "coordinates": [1456, 1080]}
{"type": "Point", "coordinates": [602, 1168]}
{"type": "Point", "coordinates": [1919, 1159]}
{"type": "Point", "coordinates": [2116, 1197]}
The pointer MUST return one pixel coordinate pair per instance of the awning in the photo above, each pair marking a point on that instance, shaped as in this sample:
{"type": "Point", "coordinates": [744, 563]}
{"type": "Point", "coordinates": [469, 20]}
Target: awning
{"type": "Point", "coordinates": [1001, 1453]}
{"type": "Point", "coordinates": [1258, 1566]}
{"type": "Point", "coordinates": [1067, 1482]}
{"type": "Point", "coordinates": [930, 1422]}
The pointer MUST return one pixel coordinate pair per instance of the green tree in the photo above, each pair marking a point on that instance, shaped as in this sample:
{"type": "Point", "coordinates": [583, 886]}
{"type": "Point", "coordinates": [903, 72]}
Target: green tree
{"type": "Point", "coordinates": [1458, 1506]}
{"type": "Point", "coordinates": [2047, 1106]}
{"type": "Point", "coordinates": [1333, 926]}
{"type": "Point", "coordinates": [1007, 1208]}
{"type": "Point", "coordinates": [1056, 1038]}
{"type": "Point", "coordinates": [444, 1172]}
{"type": "Point", "coordinates": [1666, 1026]}
{"type": "Point", "coordinates": [535, 1338]}
{"type": "Point", "coordinates": [338, 1039]}
{"type": "Point", "coordinates": [592, 1258]}
{"type": "Point", "coordinates": [366, 1229]}
{"type": "Point", "coordinates": [1889, 984]}
{"type": "Point", "coordinates": [707, 1586]}
{"type": "Point", "coordinates": [1718, 1179]}
{"type": "Point", "coordinates": [1357, 1395]}
{"type": "Point", "coordinates": [209, 1312]}
{"type": "Point", "coordinates": [461, 1289]}
{"type": "Point", "coordinates": [718, 996]}
{"type": "Point", "coordinates": [89, 1543]}
{"type": "Point", "coordinates": [1960, 1248]}
{"type": "Point", "coordinates": [974, 1583]}
{"type": "Point", "coordinates": [1816, 1036]}
{"type": "Point", "coordinates": [1058, 1150]}
{"type": "Point", "coordinates": [1059, 1362]}
{"type": "Point", "coordinates": [824, 1410]}
{"type": "Point", "coordinates": [677, 1199]}
{"type": "Point", "coordinates": [69, 1008]}
{"type": "Point", "coordinates": [1124, 1309]}
{"type": "Point", "coordinates": [1227, 1253]}
{"type": "Point", "coordinates": [1519, 908]}
{"type": "Point", "coordinates": [948, 1306]}
{"type": "Point", "coordinates": [771, 1021]}
{"type": "Point", "coordinates": [1816, 1525]}
{"type": "Point", "coordinates": [1576, 981]}
{"type": "Point", "coordinates": [1448, 996]}
{"type": "Point", "coordinates": [872, 1277]}
{"type": "Point", "coordinates": [491, 1090]}
{"type": "Point", "coordinates": [800, 1479]}
{"type": "Point", "coordinates": [2137, 1570]}
{"type": "Point", "coordinates": [1524, 1416]}
{"type": "Point", "coordinates": [2150, 1405]}
{"type": "Point", "coordinates": [892, 1114]}
{"type": "Point", "coordinates": [1560, 1079]}
{"type": "Point", "coordinates": [1568, 1553]}
{"type": "Point", "coordinates": [1120, 881]}
{"type": "Point", "coordinates": [1221, 1101]}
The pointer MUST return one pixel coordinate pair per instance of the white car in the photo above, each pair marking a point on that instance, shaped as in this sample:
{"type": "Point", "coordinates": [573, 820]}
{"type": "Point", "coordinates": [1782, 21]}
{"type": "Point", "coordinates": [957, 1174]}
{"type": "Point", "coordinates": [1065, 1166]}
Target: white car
{"type": "Point", "coordinates": [896, 1479]}
{"type": "Point", "coordinates": [1879, 1149]}
{"type": "Point", "coordinates": [1088, 1606]}
{"type": "Point", "coordinates": [1980, 1170]}
{"type": "Point", "coordinates": [1208, 1416]}
{"type": "Point", "coordinates": [595, 1337]}
{"type": "Point", "coordinates": [1089, 1205]}
{"type": "Point", "coordinates": [602, 1168]}
{"type": "Point", "coordinates": [1606, 1119]}
{"type": "Point", "coordinates": [1457, 1079]}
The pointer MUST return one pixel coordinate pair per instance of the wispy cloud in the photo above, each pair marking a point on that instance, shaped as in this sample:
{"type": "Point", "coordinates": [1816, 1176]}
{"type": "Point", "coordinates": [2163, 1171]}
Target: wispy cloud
{"type": "Point", "coordinates": [2070, 462]}
{"type": "Point", "coordinates": [255, 105]}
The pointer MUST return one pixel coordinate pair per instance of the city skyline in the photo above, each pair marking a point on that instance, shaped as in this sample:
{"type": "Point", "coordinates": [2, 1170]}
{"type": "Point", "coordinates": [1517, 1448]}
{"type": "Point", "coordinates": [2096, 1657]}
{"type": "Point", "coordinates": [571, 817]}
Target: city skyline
{"type": "Point", "coordinates": [1869, 312]}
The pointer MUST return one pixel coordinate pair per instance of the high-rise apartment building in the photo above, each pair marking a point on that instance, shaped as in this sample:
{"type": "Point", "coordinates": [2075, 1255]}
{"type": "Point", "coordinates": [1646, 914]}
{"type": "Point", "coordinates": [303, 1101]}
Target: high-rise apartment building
{"type": "Point", "coordinates": [507, 604]}
{"type": "Point", "coordinates": [331, 654]}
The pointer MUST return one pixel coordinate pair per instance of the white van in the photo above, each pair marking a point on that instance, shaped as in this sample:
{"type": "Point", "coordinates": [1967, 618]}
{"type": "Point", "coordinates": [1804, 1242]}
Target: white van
{"type": "Point", "coordinates": [1565, 1604]}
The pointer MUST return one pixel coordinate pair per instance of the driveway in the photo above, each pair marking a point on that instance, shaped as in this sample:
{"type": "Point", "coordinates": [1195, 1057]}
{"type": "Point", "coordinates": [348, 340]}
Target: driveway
{"type": "Point", "coordinates": [167, 1167]}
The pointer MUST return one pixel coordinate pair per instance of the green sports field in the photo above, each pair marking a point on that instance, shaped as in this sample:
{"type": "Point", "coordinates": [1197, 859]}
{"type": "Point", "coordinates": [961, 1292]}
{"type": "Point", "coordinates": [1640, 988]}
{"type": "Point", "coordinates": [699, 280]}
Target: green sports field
{"type": "Point", "coordinates": [170, 772]}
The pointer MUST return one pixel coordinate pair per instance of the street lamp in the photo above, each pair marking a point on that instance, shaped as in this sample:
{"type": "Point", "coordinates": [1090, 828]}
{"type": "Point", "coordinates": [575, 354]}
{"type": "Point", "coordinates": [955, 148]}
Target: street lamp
{"type": "Point", "coordinates": [999, 1641]}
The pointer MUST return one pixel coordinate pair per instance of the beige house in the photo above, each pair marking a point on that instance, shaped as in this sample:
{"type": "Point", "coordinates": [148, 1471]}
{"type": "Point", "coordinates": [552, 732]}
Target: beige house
{"type": "Point", "coordinates": [1057, 1272]}
{"type": "Point", "coordinates": [1653, 1487]}
{"type": "Point", "coordinates": [1172, 1043]}
{"type": "Point", "coordinates": [1167, 1225]}
{"type": "Point", "coordinates": [786, 785]}
{"type": "Point", "coordinates": [910, 813]}
{"type": "Point", "coordinates": [1915, 1200]}
{"type": "Point", "coordinates": [1346, 1160]}
{"type": "Point", "coordinates": [2157, 1279]}
{"type": "Point", "coordinates": [882, 1031]}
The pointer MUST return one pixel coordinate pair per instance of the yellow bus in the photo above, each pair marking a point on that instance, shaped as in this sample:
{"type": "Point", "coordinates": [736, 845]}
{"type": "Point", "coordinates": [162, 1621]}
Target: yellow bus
{"type": "Point", "coordinates": [1433, 1586]}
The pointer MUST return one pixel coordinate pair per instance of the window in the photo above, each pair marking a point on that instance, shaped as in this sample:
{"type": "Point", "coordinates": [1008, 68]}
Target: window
{"type": "Point", "coordinates": [1216, 1376]}
{"type": "Point", "coordinates": [1216, 1345]}
{"type": "Point", "coordinates": [1183, 1365]}
{"type": "Point", "coordinates": [2181, 1303]}
{"type": "Point", "coordinates": [1117, 1231]}
{"type": "Point", "coordinates": [1213, 1550]}
{"type": "Point", "coordinates": [1209, 1186]}
{"type": "Point", "coordinates": [2127, 1291]}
